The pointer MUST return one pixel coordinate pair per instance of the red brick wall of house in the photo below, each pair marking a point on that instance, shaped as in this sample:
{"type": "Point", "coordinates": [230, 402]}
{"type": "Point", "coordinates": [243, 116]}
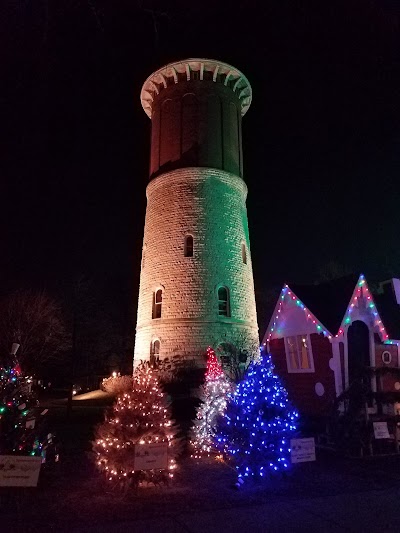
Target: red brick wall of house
{"type": "Point", "coordinates": [387, 381]}
{"type": "Point", "coordinates": [301, 386]}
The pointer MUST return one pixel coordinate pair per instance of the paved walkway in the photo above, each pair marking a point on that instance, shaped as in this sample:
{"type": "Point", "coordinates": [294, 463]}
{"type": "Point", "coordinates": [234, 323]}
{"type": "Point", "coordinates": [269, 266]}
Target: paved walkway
{"type": "Point", "coordinates": [372, 511]}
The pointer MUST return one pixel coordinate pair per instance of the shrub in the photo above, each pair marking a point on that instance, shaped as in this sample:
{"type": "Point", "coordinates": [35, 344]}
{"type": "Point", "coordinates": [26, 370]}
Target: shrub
{"type": "Point", "coordinates": [117, 384]}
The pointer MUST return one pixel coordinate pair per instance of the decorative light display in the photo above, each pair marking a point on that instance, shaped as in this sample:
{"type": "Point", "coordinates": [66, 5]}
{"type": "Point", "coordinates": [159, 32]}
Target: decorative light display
{"type": "Point", "coordinates": [20, 423]}
{"type": "Point", "coordinates": [139, 417]}
{"type": "Point", "coordinates": [289, 296]}
{"type": "Point", "coordinates": [213, 395]}
{"type": "Point", "coordinates": [254, 433]}
{"type": "Point", "coordinates": [362, 291]}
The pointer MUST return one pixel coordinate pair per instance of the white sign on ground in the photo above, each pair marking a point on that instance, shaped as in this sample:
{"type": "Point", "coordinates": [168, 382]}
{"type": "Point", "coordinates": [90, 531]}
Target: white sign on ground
{"type": "Point", "coordinates": [302, 450]}
{"type": "Point", "coordinates": [19, 470]}
{"type": "Point", "coordinates": [381, 430]}
{"type": "Point", "coordinates": [149, 456]}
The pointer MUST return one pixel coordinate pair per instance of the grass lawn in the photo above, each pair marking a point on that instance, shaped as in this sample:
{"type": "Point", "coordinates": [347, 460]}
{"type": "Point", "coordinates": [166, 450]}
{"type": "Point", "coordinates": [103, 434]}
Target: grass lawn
{"type": "Point", "coordinates": [73, 494]}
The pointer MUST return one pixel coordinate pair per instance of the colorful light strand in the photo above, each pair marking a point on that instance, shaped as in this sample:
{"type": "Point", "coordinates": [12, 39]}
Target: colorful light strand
{"type": "Point", "coordinates": [287, 295]}
{"type": "Point", "coordinates": [361, 290]}
{"type": "Point", "coordinates": [20, 427]}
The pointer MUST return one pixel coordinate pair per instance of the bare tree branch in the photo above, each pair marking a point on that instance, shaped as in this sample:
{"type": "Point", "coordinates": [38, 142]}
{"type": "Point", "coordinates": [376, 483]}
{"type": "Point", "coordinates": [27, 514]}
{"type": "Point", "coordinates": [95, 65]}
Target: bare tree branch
{"type": "Point", "coordinates": [237, 355]}
{"type": "Point", "coordinates": [34, 320]}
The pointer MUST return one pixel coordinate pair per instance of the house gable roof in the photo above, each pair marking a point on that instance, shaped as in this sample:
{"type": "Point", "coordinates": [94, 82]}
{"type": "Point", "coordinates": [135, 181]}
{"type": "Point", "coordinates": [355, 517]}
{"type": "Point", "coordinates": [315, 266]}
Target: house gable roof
{"type": "Point", "coordinates": [330, 307]}
{"type": "Point", "coordinates": [362, 301]}
{"type": "Point", "coordinates": [292, 315]}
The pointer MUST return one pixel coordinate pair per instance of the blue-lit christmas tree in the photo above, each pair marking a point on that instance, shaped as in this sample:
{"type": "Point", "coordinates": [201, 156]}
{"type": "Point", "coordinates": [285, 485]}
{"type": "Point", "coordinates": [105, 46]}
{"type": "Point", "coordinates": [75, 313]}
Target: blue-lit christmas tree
{"type": "Point", "coordinates": [254, 433]}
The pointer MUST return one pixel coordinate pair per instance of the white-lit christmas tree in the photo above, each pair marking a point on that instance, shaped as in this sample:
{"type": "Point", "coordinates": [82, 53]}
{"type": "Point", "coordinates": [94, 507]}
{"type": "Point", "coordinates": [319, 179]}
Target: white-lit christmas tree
{"type": "Point", "coordinates": [254, 433]}
{"type": "Point", "coordinates": [139, 418]}
{"type": "Point", "coordinates": [214, 394]}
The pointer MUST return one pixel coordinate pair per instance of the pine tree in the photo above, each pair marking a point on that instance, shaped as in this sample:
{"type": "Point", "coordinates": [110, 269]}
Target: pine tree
{"type": "Point", "coordinates": [254, 433]}
{"type": "Point", "coordinates": [139, 417]}
{"type": "Point", "coordinates": [22, 429]}
{"type": "Point", "coordinates": [214, 397]}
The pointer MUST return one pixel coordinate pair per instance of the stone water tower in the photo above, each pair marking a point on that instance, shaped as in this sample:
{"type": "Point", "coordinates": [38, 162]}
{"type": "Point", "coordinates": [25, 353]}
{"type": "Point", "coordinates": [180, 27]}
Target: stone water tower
{"type": "Point", "coordinates": [196, 281]}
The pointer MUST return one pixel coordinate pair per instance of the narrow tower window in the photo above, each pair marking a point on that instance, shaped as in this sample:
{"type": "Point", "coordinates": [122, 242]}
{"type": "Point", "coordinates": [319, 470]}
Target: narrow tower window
{"type": "Point", "coordinates": [154, 351]}
{"type": "Point", "coordinates": [144, 256]}
{"type": "Point", "coordinates": [188, 246]}
{"type": "Point", "coordinates": [244, 254]}
{"type": "Point", "coordinates": [157, 304]}
{"type": "Point", "coordinates": [223, 302]}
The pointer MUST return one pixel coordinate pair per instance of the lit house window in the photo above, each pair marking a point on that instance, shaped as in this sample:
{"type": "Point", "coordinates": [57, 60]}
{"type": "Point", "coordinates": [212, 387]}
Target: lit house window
{"type": "Point", "coordinates": [244, 254]}
{"type": "Point", "coordinates": [386, 357]}
{"type": "Point", "coordinates": [154, 351]}
{"type": "Point", "coordinates": [188, 246]}
{"type": "Point", "coordinates": [157, 304]}
{"type": "Point", "coordinates": [223, 302]}
{"type": "Point", "coordinates": [298, 354]}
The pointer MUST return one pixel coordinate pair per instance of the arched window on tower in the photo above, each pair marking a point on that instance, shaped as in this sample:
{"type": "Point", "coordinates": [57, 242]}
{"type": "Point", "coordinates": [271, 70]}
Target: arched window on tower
{"type": "Point", "coordinates": [223, 302]}
{"type": "Point", "coordinates": [244, 254]}
{"type": "Point", "coordinates": [188, 247]}
{"type": "Point", "coordinates": [157, 303]}
{"type": "Point", "coordinates": [154, 351]}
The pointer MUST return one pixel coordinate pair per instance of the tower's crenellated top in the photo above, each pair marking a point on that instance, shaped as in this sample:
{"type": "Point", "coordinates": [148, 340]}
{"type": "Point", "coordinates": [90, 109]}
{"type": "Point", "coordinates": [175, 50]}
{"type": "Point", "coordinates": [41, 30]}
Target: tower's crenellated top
{"type": "Point", "coordinates": [196, 69]}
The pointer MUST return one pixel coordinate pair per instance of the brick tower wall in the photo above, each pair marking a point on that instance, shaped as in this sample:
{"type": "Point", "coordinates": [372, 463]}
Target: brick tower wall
{"type": "Point", "coordinates": [208, 204]}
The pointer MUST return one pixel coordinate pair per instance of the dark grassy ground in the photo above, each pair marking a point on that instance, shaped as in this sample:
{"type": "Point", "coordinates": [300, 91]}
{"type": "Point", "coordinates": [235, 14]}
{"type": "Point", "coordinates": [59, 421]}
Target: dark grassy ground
{"type": "Point", "coordinates": [73, 494]}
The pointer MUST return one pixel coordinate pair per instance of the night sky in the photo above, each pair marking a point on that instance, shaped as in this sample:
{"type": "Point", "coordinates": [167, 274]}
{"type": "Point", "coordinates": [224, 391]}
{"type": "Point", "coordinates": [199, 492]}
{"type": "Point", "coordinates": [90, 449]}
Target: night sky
{"type": "Point", "coordinates": [321, 138]}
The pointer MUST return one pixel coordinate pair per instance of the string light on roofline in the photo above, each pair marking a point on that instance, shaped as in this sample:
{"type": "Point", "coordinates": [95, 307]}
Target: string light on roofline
{"type": "Point", "coordinates": [291, 297]}
{"type": "Point", "coordinates": [286, 293]}
{"type": "Point", "coordinates": [362, 286]}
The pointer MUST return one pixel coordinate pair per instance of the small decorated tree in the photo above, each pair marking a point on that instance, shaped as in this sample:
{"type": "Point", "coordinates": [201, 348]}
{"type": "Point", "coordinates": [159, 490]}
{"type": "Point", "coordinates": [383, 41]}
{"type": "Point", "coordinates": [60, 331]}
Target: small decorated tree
{"type": "Point", "coordinates": [22, 427]}
{"type": "Point", "coordinates": [254, 433]}
{"type": "Point", "coordinates": [16, 404]}
{"type": "Point", "coordinates": [139, 418]}
{"type": "Point", "coordinates": [214, 394]}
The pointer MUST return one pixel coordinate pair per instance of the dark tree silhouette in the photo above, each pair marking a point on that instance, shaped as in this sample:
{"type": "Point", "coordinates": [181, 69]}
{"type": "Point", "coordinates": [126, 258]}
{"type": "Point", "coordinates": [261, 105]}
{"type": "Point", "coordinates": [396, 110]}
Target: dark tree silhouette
{"type": "Point", "coordinates": [237, 355]}
{"type": "Point", "coordinates": [35, 321]}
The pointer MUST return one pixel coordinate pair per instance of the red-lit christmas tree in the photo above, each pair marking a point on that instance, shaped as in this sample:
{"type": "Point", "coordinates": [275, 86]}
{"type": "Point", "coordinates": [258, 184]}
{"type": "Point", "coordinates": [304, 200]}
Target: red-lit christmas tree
{"type": "Point", "coordinates": [139, 418]}
{"type": "Point", "coordinates": [214, 397]}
